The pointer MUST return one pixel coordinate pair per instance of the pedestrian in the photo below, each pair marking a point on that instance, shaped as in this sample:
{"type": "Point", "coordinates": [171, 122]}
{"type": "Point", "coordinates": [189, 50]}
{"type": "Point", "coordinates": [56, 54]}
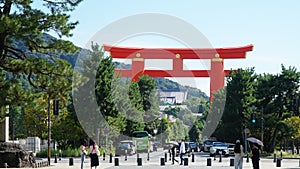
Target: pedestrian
{"type": "Point", "coordinates": [238, 155]}
{"type": "Point", "coordinates": [83, 152]}
{"type": "Point", "coordinates": [94, 154]}
{"type": "Point", "coordinates": [182, 151]}
{"type": "Point", "coordinates": [255, 156]}
{"type": "Point", "coordinates": [173, 153]}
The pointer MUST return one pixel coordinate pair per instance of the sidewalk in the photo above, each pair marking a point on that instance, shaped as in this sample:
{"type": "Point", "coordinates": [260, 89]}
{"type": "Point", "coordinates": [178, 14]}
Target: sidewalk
{"type": "Point", "coordinates": [155, 164]}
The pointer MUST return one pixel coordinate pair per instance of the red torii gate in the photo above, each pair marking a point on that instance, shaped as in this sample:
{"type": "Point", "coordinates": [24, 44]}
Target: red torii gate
{"type": "Point", "coordinates": [216, 55]}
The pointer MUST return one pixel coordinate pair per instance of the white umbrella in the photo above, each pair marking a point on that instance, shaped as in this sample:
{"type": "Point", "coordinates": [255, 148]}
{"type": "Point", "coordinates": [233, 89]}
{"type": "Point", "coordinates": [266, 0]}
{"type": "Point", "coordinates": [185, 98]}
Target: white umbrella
{"type": "Point", "coordinates": [255, 140]}
{"type": "Point", "coordinates": [173, 142]}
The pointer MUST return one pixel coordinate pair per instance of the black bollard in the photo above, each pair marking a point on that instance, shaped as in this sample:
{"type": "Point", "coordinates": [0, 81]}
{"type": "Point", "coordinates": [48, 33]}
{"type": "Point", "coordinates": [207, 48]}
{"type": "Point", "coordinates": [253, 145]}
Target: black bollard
{"type": "Point", "coordinates": [186, 162]}
{"type": "Point", "coordinates": [103, 156]}
{"type": "Point", "coordinates": [55, 158]}
{"type": "Point", "coordinates": [208, 161]}
{"type": "Point", "coordinates": [193, 157]}
{"type": "Point", "coordinates": [148, 156]}
{"type": "Point", "coordinates": [137, 157]}
{"type": "Point", "coordinates": [247, 160]}
{"type": "Point", "coordinates": [166, 157]}
{"type": "Point", "coordinates": [116, 161]}
{"type": "Point", "coordinates": [162, 161]}
{"type": "Point", "coordinates": [170, 156]}
{"type": "Point", "coordinates": [220, 158]}
{"type": "Point", "coordinates": [231, 162]}
{"type": "Point", "coordinates": [71, 161]}
{"type": "Point", "coordinates": [126, 156]}
{"type": "Point", "coordinates": [110, 158]}
{"type": "Point", "coordinates": [278, 164]}
{"type": "Point", "coordinates": [139, 161]}
{"type": "Point", "coordinates": [274, 158]}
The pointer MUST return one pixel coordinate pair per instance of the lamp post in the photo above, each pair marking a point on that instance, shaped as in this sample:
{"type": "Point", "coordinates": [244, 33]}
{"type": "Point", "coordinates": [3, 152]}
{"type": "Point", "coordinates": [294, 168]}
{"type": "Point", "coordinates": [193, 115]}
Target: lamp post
{"type": "Point", "coordinates": [49, 130]}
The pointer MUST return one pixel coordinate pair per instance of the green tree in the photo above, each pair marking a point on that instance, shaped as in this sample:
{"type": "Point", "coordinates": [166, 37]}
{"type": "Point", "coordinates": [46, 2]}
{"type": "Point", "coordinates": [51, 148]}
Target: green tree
{"type": "Point", "coordinates": [237, 110]}
{"type": "Point", "coordinates": [148, 93]}
{"type": "Point", "coordinates": [275, 95]}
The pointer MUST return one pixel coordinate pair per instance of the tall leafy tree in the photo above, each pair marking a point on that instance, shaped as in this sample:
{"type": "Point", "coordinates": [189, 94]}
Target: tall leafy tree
{"type": "Point", "coordinates": [239, 100]}
{"type": "Point", "coordinates": [275, 95]}
{"type": "Point", "coordinates": [147, 87]}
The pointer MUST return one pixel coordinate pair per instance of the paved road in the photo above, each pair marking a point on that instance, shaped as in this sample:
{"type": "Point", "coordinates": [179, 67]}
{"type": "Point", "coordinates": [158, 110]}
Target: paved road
{"type": "Point", "coordinates": [154, 162]}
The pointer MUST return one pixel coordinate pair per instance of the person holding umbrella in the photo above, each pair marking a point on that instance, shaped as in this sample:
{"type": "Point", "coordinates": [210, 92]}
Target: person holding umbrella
{"type": "Point", "coordinates": [255, 156]}
{"type": "Point", "coordinates": [256, 143]}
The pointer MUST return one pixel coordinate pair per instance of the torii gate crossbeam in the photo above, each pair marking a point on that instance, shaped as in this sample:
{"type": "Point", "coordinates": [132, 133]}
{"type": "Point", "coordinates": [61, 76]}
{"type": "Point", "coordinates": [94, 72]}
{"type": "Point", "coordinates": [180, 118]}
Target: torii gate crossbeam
{"type": "Point", "coordinates": [216, 56]}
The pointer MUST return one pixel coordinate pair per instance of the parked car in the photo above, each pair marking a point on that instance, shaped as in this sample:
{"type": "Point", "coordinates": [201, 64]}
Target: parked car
{"type": "Point", "coordinates": [193, 146]}
{"type": "Point", "coordinates": [201, 147]}
{"type": "Point", "coordinates": [126, 146]}
{"type": "Point", "coordinates": [219, 148]}
{"type": "Point", "coordinates": [230, 148]}
{"type": "Point", "coordinates": [206, 145]}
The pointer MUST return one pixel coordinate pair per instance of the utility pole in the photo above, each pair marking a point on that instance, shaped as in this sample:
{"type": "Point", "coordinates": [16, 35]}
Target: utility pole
{"type": "Point", "coordinates": [262, 125]}
{"type": "Point", "coordinates": [49, 130]}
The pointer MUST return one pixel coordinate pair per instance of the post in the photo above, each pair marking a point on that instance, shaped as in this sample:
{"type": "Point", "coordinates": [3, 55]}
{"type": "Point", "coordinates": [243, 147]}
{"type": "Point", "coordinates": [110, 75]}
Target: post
{"type": "Point", "coordinates": [162, 161]}
{"type": "Point", "coordinates": [193, 157]}
{"type": "Point", "coordinates": [110, 158]}
{"type": "Point", "coordinates": [208, 161]}
{"type": "Point", "coordinates": [49, 130]}
{"type": "Point", "coordinates": [262, 125]}
{"type": "Point", "coordinates": [274, 160]}
{"type": "Point", "coordinates": [116, 161]}
{"type": "Point", "coordinates": [166, 157]}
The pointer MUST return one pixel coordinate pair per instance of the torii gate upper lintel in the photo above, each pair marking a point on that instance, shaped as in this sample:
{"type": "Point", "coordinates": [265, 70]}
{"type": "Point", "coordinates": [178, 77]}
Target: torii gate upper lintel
{"type": "Point", "coordinates": [216, 55]}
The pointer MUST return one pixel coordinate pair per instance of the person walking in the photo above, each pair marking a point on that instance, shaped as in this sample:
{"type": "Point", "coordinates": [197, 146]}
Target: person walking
{"type": "Point", "coordinates": [255, 156]}
{"type": "Point", "coordinates": [83, 152]}
{"type": "Point", "coordinates": [238, 155]}
{"type": "Point", "coordinates": [94, 154]}
{"type": "Point", "coordinates": [182, 151]}
{"type": "Point", "coordinates": [173, 153]}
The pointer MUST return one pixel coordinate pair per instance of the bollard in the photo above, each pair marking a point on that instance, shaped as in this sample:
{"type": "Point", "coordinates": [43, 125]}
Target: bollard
{"type": "Point", "coordinates": [278, 164]}
{"type": "Point", "coordinates": [126, 156]}
{"type": "Point", "coordinates": [170, 156]}
{"type": "Point", "coordinates": [231, 162]}
{"type": "Point", "coordinates": [55, 158]}
{"type": "Point", "coordinates": [186, 161]}
{"type": "Point", "coordinates": [139, 161]}
{"type": "Point", "coordinates": [166, 157]}
{"type": "Point", "coordinates": [274, 158]}
{"type": "Point", "coordinates": [116, 161]}
{"type": "Point", "coordinates": [208, 161]}
{"type": "Point", "coordinates": [193, 157]}
{"type": "Point", "coordinates": [162, 161]}
{"type": "Point", "coordinates": [71, 161]}
{"type": "Point", "coordinates": [103, 156]}
{"type": "Point", "coordinates": [148, 156]}
{"type": "Point", "coordinates": [220, 159]}
{"type": "Point", "coordinates": [110, 158]}
{"type": "Point", "coordinates": [137, 157]}
{"type": "Point", "coordinates": [60, 155]}
{"type": "Point", "coordinates": [247, 160]}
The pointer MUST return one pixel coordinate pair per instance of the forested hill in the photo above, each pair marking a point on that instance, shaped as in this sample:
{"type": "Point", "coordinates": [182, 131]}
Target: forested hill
{"type": "Point", "coordinates": [164, 84]}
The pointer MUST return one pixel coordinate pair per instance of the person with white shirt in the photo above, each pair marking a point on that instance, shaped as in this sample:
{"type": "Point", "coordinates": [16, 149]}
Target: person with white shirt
{"type": "Point", "coordinates": [182, 151]}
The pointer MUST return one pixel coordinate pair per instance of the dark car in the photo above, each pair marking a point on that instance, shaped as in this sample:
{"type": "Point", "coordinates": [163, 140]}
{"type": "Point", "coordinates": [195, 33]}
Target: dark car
{"type": "Point", "coordinates": [125, 147]}
{"type": "Point", "coordinates": [193, 146]}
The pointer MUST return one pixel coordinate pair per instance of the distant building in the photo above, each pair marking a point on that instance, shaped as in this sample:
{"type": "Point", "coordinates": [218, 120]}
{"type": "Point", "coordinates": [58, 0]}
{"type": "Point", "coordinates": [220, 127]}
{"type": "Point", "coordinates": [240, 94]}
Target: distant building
{"type": "Point", "coordinates": [173, 96]}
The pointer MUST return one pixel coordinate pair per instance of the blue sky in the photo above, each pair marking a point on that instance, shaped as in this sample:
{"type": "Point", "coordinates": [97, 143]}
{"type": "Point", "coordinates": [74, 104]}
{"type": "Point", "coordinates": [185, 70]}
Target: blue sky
{"type": "Point", "coordinates": [271, 26]}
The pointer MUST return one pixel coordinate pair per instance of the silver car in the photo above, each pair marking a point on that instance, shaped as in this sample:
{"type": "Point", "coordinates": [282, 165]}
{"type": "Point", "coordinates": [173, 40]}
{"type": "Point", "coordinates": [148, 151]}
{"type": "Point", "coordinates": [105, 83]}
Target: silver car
{"type": "Point", "coordinates": [219, 148]}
